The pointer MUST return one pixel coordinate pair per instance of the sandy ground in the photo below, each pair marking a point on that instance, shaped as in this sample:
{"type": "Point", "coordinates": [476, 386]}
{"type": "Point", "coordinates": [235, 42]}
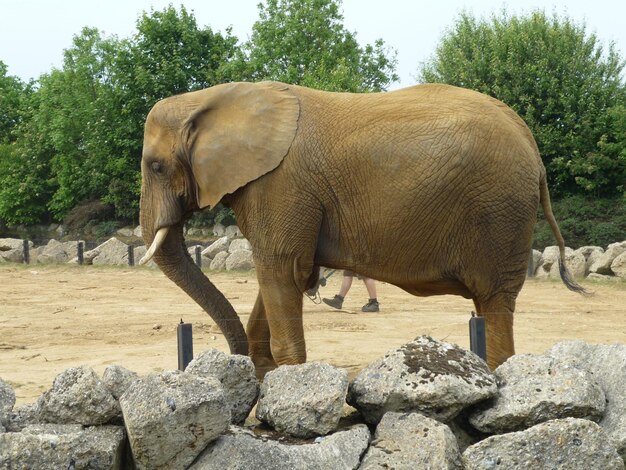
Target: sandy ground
{"type": "Point", "coordinates": [53, 318]}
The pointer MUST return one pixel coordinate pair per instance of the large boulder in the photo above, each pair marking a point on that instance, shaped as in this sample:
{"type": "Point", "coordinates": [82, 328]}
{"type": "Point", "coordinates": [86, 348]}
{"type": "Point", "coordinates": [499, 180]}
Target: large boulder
{"type": "Point", "coordinates": [428, 376]}
{"type": "Point", "coordinates": [7, 402]}
{"type": "Point", "coordinates": [57, 252]}
{"type": "Point", "coordinates": [219, 245]}
{"type": "Point", "coordinates": [412, 441]}
{"type": "Point", "coordinates": [591, 254]}
{"type": "Point", "coordinates": [534, 389]}
{"type": "Point", "coordinates": [549, 263]}
{"type": "Point", "coordinates": [569, 443]}
{"type": "Point", "coordinates": [78, 396]}
{"type": "Point", "coordinates": [303, 400]}
{"type": "Point", "coordinates": [242, 449]}
{"type": "Point", "coordinates": [171, 417]}
{"type": "Point", "coordinates": [219, 261]}
{"type": "Point", "coordinates": [239, 260]}
{"type": "Point", "coordinates": [607, 364]}
{"type": "Point", "coordinates": [236, 374]}
{"type": "Point", "coordinates": [112, 252]}
{"type": "Point", "coordinates": [63, 446]}
{"type": "Point", "coordinates": [232, 231]}
{"type": "Point", "coordinates": [118, 379]}
{"type": "Point", "coordinates": [239, 244]}
{"type": "Point", "coordinates": [618, 266]}
{"type": "Point", "coordinates": [602, 265]}
{"type": "Point", "coordinates": [12, 250]}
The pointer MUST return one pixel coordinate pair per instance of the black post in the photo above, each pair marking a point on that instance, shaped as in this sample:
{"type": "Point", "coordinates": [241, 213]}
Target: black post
{"type": "Point", "coordinates": [185, 344]}
{"type": "Point", "coordinates": [131, 255]}
{"type": "Point", "coordinates": [530, 271]}
{"type": "Point", "coordinates": [478, 338]}
{"type": "Point", "coordinates": [81, 250]}
{"type": "Point", "coordinates": [26, 252]}
{"type": "Point", "coordinates": [199, 256]}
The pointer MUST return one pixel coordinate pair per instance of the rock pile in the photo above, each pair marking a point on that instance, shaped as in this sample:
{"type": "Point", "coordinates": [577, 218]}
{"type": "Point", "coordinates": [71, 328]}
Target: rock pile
{"type": "Point", "coordinates": [427, 404]}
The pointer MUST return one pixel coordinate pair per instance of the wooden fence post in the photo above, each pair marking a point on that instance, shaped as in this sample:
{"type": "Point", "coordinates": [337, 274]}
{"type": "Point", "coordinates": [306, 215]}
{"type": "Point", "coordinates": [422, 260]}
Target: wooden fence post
{"type": "Point", "coordinates": [26, 252]}
{"type": "Point", "coordinates": [184, 336]}
{"type": "Point", "coordinates": [199, 256]}
{"type": "Point", "coordinates": [80, 253]}
{"type": "Point", "coordinates": [131, 255]}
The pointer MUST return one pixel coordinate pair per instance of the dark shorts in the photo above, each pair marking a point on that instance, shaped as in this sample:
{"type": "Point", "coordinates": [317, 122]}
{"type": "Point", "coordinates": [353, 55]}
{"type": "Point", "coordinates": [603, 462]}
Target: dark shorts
{"type": "Point", "coordinates": [352, 274]}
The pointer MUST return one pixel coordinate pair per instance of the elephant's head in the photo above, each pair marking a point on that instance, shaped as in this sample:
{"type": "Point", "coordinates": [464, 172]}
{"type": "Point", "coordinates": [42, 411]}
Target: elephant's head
{"type": "Point", "coordinates": [198, 147]}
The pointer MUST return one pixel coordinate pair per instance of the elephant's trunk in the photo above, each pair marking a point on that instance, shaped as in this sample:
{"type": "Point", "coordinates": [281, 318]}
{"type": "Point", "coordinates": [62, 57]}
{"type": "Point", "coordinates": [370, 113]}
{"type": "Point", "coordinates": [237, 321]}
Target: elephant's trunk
{"type": "Point", "coordinates": [176, 263]}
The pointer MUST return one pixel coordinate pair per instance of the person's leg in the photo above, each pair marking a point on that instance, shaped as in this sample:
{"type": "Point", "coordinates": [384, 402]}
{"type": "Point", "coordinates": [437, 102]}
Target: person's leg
{"type": "Point", "coordinates": [372, 305]}
{"type": "Point", "coordinates": [346, 283]}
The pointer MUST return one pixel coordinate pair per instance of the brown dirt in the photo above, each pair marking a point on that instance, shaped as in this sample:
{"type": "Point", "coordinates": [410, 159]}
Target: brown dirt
{"type": "Point", "coordinates": [56, 317]}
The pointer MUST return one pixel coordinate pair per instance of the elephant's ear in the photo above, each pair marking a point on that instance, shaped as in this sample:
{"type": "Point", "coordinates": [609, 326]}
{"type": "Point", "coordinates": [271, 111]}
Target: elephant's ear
{"type": "Point", "coordinates": [240, 132]}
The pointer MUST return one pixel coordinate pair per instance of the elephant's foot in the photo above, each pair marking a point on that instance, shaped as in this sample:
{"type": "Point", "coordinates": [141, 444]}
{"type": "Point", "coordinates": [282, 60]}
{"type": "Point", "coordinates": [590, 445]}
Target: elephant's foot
{"type": "Point", "coordinates": [263, 365]}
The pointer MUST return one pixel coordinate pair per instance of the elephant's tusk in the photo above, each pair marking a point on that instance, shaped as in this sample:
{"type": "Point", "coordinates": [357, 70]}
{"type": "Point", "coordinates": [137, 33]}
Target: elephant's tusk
{"type": "Point", "coordinates": [159, 238]}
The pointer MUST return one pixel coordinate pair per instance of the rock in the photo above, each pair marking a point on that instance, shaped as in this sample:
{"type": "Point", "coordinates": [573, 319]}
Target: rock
{"type": "Point", "coordinates": [534, 389]}
{"type": "Point", "coordinates": [12, 249]}
{"type": "Point", "coordinates": [218, 230]}
{"type": "Point", "coordinates": [118, 379]}
{"type": "Point", "coordinates": [618, 266]}
{"type": "Point", "coordinates": [607, 364]}
{"type": "Point", "coordinates": [219, 262]}
{"type": "Point", "coordinates": [22, 416]}
{"type": "Point", "coordinates": [536, 260]}
{"type": "Point", "coordinates": [303, 400]}
{"type": "Point", "coordinates": [564, 444]}
{"type": "Point", "coordinates": [241, 449]}
{"type": "Point", "coordinates": [232, 231]}
{"type": "Point", "coordinates": [239, 260]}
{"type": "Point", "coordinates": [602, 277]}
{"type": "Point", "coordinates": [431, 377]}
{"type": "Point", "coordinates": [78, 396]}
{"type": "Point", "coordinates": [239, 244]}
{"type": "Point", "coordinates": [602, 265]}
{"type": "Point", "coordinates": [140, 251]}
{"type": "Point", "coordinates": [125, 232]}
{"type": "Point", "coordinates": [549, 264]}
{"type": "Point", "coordinates": [7, 402]}
{"type": "Point", "coordinates": [219, 245]}
{"type": "Point", "coordinates": [411, 440]}
{"type": "Point", "coordinates": [57, 252]}
{"type": "Point", "coordinates": [171, 417]}
{"type": "Point", "coordinates": [236, 374]}
{"type": "Point", "coordinates": [591, 254]}
{"type": "Point", "coordinates": [138, 232]}
{"type": "Point", "coordinates": [63, 446]}
{"type": "Point", "coordinates": [112, 252]}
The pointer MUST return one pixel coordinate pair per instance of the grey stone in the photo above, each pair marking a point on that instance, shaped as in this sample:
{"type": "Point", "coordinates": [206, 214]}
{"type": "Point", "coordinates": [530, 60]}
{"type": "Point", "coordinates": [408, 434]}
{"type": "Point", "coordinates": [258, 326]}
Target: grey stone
{"type": "Point", "coordinates": [118, 379]}
{"type": "Point", "coordinates": [570, 443]}
{"type": "Point", "coordinates": [602, 277]}
{"type": "Point", "coordinates": [112, 252]}
{"type": "Point", "coordinates": [239, 244]}
{"type": "Point", "coordinates": [607, 364]}
{"type": "Point", "coordinates": [303, 400]}
{"type": "Point", "coordinates": [618, 266]}
{"type": "Point", "coordinates": [138, 232]}
{"type": "Point", "coordinates": [240, 449]}
{"type": "Point", "coordinates": [602, 264]}
{"type": "Point", "coordinates": [57, 252]}
{"type": "Point", "coordinates": [7, 402]}
{"type": "Point", "coordinates": [139, 253]}
{"type": "Point", "coordinates": [236, 374]}
{"type": "Point", "coordinates": [218, 230]}
{"type": "Point", "coordinates": [232, 231]}
{"type": "Point", "coordinates": [534, 389]}
{"type": "Point", "coordinates": [171, 417]}
{"type": "Point", "coordinates": [125, 232]}
{"type": "Point", "coordinates": [239, 260]}
{"type": "Point", "coordinates": [536, 258]}
{"type": "Point", "coordinates": [549, 265]}
{"type": "Point", "coordinates": [78, 396]}
{"type": "Point", "coordinates": [63, 446]}
{"type": "Point", "coordinates": [591, 254]}
{"type": "Point", "coordinates": [431, 377]}
{"type": "Point", "coordinates": [22, 416]}
{"type": "Point", "coordinates": [411, 440]}
{"type": "Point", "coordinates": [12, 249]}
{"type": "Point", "coordinates": [219, 245]}
{"type": "Point", "coordinates": [219, 262]}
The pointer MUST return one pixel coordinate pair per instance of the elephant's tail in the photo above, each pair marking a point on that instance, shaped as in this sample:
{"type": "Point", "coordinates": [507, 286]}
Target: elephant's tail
{"type": "Point", "coordinates": [566, 276]}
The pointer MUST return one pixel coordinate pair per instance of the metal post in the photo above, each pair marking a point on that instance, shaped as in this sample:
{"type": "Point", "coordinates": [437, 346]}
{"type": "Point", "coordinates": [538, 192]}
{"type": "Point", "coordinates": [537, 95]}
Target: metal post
{"type": "Point", "coordinates": [530, 271]}
{"type": "Point", "coordinates": [185, 344]}
{"type": "Point", "coordinates": [478, 338]}
{"type": "Point", "coordinates": [199, 256]}
{"type": "Point", "coordinates": [131, 255]}
{"type": "Point", "coordinates": [81, 250]}
{"type": "Point", "coordinates": [26, 252]}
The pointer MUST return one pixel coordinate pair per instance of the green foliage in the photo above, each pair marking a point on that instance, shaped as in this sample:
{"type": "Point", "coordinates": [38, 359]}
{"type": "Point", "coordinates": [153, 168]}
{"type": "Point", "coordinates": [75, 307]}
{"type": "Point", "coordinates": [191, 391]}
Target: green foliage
{"type": "Point", "coordinates": [304, 42]}
{"type": "Point", "coordinates": [220, 214]}
{"type": "Point", "coordinates": [558, 78]}
{"type": "Point", "coordinates": [584, 221]}
{"type": "Point", "coordinates": [11, 90]}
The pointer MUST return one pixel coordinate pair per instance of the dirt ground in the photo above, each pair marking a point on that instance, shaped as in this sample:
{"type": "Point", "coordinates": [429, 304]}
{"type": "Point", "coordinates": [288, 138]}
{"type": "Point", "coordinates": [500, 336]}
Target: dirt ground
{"type": "Point", "coordinates": [53, 318]}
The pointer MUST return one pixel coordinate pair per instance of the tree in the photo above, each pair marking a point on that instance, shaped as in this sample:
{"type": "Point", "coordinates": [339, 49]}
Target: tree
{"type": "Point", "coordinates": [304, 42]}
{"type": "Point", "coordinates": [11, 90]}
{"type": "Point", "coordinates": [560, 80]}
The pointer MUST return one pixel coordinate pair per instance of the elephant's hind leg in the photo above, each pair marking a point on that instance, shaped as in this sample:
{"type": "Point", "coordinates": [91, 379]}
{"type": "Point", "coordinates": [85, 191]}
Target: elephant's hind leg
{"type": "Point", "coordinates": [498, 313]}
{"type": "Point", "coordinates": [258, 332]}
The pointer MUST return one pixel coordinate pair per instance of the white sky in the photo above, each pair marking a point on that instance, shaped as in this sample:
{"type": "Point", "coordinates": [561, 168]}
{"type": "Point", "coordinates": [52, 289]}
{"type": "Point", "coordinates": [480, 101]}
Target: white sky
{"type": "Point", "coordinates": [34, 33]}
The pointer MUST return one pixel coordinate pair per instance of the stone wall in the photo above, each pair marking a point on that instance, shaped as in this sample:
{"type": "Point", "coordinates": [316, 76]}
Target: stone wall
{"type": "Point", "coordinates": [426, 404]}
{"type": "Point", "coordinates": [228, 250]}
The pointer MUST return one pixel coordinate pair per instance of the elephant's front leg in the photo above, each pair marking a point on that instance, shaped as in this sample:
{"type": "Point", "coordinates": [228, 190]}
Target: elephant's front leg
{"type": "Point", "coordinates": [258, 333]}
{"type": "Point", "coordinates": [282, 301]}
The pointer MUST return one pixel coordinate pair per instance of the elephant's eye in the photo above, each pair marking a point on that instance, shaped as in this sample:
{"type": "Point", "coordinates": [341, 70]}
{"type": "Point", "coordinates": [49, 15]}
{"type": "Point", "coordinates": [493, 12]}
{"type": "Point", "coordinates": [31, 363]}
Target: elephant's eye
{"type": "Point", "coordinates": [156, 167]}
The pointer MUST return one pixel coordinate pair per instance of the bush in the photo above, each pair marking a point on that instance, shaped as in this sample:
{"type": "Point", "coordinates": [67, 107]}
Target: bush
{"type": "Point", "coordinates": [583, 222]}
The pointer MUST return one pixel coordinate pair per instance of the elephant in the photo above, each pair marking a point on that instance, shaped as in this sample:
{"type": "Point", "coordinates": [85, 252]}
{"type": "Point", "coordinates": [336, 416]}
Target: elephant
{"type": "Point", "coordinates": [432, 188]}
